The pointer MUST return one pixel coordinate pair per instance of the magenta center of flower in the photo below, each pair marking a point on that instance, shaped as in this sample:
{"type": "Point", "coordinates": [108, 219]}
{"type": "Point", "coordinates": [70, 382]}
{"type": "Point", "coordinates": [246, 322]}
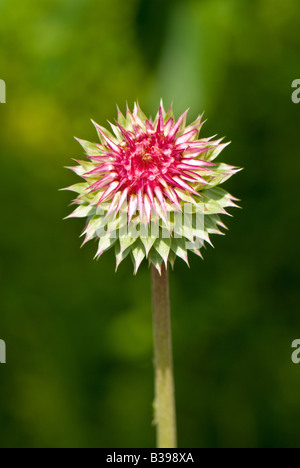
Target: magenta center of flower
{"type": "Point", "coordinates": [155, 162]}
{"type": "Point", "coordinates": [147, 158]}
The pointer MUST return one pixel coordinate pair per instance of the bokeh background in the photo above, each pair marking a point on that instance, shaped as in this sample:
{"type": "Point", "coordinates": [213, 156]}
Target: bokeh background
{"type": "Point", "coordinates": [79, 336]}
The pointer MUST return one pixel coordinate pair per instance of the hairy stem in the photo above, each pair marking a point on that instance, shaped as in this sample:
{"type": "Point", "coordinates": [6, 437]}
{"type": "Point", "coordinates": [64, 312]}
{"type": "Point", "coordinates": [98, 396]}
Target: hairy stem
{"type": "Point", "coordinates": [165, 416]}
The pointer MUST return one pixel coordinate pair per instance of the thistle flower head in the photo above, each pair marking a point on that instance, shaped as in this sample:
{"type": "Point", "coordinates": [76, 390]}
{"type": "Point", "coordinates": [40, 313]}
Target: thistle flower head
{"type": "Point", "coordinates": [150, 188]}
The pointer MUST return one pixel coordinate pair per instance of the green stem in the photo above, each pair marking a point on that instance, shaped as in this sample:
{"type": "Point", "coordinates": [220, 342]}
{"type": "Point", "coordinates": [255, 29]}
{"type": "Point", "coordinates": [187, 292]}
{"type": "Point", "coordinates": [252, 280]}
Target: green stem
{"type": "Point", "coordinates": [165, 417]}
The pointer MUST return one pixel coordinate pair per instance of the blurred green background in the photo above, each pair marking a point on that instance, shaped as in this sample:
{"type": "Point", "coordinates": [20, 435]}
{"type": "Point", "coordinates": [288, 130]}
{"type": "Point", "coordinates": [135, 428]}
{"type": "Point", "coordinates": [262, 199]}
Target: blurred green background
{"type": "Point", "coordinates": [79, 336]}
